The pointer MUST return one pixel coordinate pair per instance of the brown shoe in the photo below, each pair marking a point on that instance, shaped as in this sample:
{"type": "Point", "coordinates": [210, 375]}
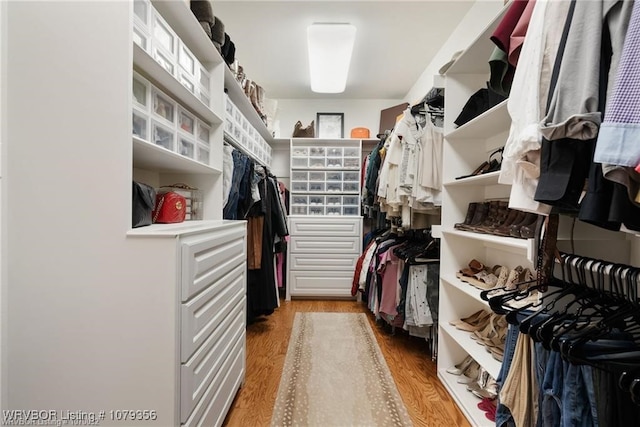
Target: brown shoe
{"type": "Point", "coordinates": [489, 218]}
{"type": "Point", "coordinates": [471, 210]}
{"type": "Point", "coordinates": [480, 214]}
{"type": "Point", "coordinates": [504, 229]}
{"type": "Point", "coordinates": [496, 220]}
{"type": "Point", "coordinates": [528, 231]}
{"type": "Point", "coordinates": [527, 219]}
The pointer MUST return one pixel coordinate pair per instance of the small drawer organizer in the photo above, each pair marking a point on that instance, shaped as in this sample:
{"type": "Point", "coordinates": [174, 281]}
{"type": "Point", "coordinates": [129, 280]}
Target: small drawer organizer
{"type": "Point", "coordinates": [159, 119]}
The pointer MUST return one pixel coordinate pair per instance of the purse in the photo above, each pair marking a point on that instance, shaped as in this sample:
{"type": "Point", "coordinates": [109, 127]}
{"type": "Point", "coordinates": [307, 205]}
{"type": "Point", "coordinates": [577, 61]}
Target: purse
{"type": "Point", "coordinates": [170, 208]}
{"type": "Point", "coordinates": [300, 132]}
{"type": "Point", "coordinates": [143, 199]}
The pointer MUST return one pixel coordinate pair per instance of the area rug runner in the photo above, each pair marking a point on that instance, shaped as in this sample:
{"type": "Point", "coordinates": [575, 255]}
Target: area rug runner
{"type": "Point", "coordinates": [335, 375]}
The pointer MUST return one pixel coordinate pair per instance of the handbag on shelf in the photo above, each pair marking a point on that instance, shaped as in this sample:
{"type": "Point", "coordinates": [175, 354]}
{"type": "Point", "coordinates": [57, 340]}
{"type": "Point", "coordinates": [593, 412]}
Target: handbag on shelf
{"type": "Point", "coordinates": [143, 199]}
{"type": "Point", "coordinates": [300, 132]}
{"type": "Point", "coordinates": [170, 208]}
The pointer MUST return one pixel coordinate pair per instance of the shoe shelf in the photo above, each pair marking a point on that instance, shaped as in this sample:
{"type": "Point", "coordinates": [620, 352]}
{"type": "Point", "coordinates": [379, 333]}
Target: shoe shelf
{"type": "Point", "coordinates": [468, 401]}
{"type": "Point", "coordinates": [473, 348]}
{"type": "Point", "coordinates": [490, 123]}
{"type": "Point", "coordinates": [147, 155]}
{"type": "Point", "coordinates": [451, 280]}
{"type": "Point", "coordinates": [490, 178]}
{"type": "Point", "coordinates": [526, 246]}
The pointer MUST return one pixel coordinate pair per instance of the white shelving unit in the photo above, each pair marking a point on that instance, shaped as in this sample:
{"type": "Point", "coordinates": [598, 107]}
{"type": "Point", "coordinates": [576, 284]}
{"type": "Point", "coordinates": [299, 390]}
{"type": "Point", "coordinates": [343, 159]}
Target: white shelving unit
{"type": "Point", "coordinates": [153, 316]}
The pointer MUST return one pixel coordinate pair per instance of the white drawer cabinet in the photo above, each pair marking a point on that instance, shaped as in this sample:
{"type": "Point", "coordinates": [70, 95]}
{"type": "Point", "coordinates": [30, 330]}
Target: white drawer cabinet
{"type": "Point", "coordinates": [322, 256]}
{"type": "Point", "coordinates": [199, 271]}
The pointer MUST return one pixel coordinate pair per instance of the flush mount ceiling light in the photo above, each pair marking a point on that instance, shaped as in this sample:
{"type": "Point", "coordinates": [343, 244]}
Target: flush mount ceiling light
{"type": "Point", "coordinates": [330, 48]}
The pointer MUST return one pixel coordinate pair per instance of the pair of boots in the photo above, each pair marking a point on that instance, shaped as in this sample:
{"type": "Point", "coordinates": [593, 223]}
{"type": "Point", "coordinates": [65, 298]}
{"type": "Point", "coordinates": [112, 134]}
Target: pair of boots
{"type": "Point", "coordinates": [496, 218]}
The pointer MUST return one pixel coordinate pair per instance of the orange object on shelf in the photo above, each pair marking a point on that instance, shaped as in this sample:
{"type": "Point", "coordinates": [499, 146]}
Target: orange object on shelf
{"type": "Point", "coordinates": [359, 133]}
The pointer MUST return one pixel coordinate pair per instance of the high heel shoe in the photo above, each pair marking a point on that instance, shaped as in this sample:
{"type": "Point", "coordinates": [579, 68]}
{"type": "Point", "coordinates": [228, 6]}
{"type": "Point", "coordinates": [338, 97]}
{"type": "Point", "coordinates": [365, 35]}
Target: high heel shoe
{"type": "Point", "coordinates": [461, 367]}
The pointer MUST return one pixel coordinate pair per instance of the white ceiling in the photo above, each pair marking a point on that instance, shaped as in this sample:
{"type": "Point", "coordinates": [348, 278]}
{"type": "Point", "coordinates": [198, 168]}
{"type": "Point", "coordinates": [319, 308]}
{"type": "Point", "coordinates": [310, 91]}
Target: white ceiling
{"type": "Point", "coordinates": [395, 41]}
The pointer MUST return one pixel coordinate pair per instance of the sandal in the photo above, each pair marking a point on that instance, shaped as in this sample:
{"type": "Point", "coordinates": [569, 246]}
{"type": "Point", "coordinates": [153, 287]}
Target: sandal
{"type": "Point", "coordinates": [486, 279]}
{"type": "Point", "coordinates": [475, 267]}
{"type": "Point", "coordinates": [474, 324]}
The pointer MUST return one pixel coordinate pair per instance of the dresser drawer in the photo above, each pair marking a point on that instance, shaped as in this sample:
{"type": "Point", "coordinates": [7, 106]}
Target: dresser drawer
{"type": "Point", "coordinates": [321, 283]}
{"type": "Point", "coordinates": [299, 261]}
{"type": "Point", "coordinates": [213, 407]}
{"type": "Point", "coordinates": [202, 368]}
{"type": "Point", "coordinates": [325, 226]}
{"type": "Point", "coordinates": [325, 245]}
{"type": "Point", "coordinates": [202, 315]}
{"type": "Point", "coordinates": [207, 257]}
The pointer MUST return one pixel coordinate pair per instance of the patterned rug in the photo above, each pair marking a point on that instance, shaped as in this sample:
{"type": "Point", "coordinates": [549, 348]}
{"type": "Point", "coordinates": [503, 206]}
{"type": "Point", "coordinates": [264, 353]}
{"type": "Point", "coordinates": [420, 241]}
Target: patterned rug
{"type": "Point", "coordinates": [335, 375]}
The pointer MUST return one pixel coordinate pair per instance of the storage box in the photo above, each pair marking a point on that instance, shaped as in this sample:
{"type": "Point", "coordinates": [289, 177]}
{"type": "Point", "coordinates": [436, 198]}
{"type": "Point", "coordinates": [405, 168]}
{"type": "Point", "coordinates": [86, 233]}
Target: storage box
{"type": "Point", "coordinates": [187, 82]}
{"type": "Point", "coordinates": [299, 210]}
{"type": "Point", "coordinates": [349, 210]}
{"type": "Point", "coordinates": [203, 154]}
{"type": "Point", "coordinates": [228, 125]}
{"type": "Point", "coordinates": [350, 200]}
{"type": "Point", "coordinates": [316, 210]}
{"type": "Point", "coordinates": [164, 60]}
{"type": "Point", "coordinates": [317, 162]}
{"type": "Point", "coordinates": [299, 186]}
{"type": "Point", "coordinates": [141, 92]}
{"type": "Point", "coordinates": [317, 151]}
{"type": "Point", "coordinates": [350, 187]}
{"type": "Point", "coordinates": [164, 107]}
{"type": "Point", "coordinates": [141, 37]}
{"type": "Point", "coordinates": [204, 79]}
{"type": "Point", "coordinates": [203, 133]}
{"type": "Point", "coordinates": [299, 162]}
{"type": "Point", "coordinates": [142, 12]}
{"type": "Point", "coordinates": [163, 135]}
{"type": "Point", "coordinates": [187, 147]}
{"type": "Point", "coordinates": [351, 152]}
{"type": "Point", "coordinates": [334, 162]}
{"type": "Point", "coordinates": [299, 176]}
{"type": "Point", "coordinates": [351, 177]}
{"type": "Point", "coordinates": [163, 36]}
{"type": "Point", "coordinates": [187, 61]}
{"type": "Point", "coordinates": [351, 163]}
{"type": "Point", "coordinates": [300, 200]}
{"type": "Point", "coordinates": [204, 97]}
{"type": "Point", "coordinates": [333, 210]}
{"type": "Point", "coordinates": [186, 121]}
{"type": "Point", "coordinates": [334, 176]}
{"type": "Point", "coordinates": [334, 152]}
{"type": "Point", "coordinates": [140, 126]}
{"type": "Point", "coordinates": [316, 186]}
{"type": "Point", "coordinates": [334, 187]}
{"type": "Point", "coordinates": [334, 200]}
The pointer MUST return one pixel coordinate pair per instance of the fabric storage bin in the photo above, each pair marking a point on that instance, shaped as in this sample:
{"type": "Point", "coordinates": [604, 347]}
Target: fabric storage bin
{"type": "Point", "coordinates": [351, 177]}
{"type": "Point", "coordinates": [187, 147]}
{"type": "Point", "coordinates": [351, 163]}
{"type": "Point", "coordinates": [299, 210]}
{"type": "Point", "coordinates": [333, 187]}
{"type": "Point", "coordinates": [163, 36]}
{"type": "Point", "coordinates": [316, 162]}
{"type": "Point", "coordinates": [140, 125]}
{"type": "Point", "coordinates": [164, 107]}
{"type": "Point", "coordinates": [186, 121]}
{"type": "Point", "coordinates": [299, 176]}
{"type": "Point", "coordinates": [316, 186]}
{"type": "Point", "coordinates": [333, 210]}
{"type": "Point", "coordinates": [300, 151]}
{"type": "Point", "coordinates": [334, 162]}
{"type": "Point", "coordinates": [316, 176]}
{"type": "Point", "coordinates": [204, 132]}
{"type": "Point", "coordinates": [350, 187]}
{"type": "Point", "coordinates": [203, 154]}
{"type": "Point", "coordinates": [141, 92]}
{"type": "Point", "coordinates": [350, 200]}
{"type": "Point", "coordinates": [334, 176]}
{"type": "Point", "coordinates": [300, 200]}
{"type": "Point", "coordinates": [334, 152]}
{"type": "Point", "coordinates": [299, 186]}
{"type": "Point", "coordinates": [333, 200]}
{"type": "Point", "coordinates": [317, 152]}
{"type": "Point", "coordinates": [316, 200]}
{"type": "Point", "coordinates": [349, 210]}
{"type": "Point", "coordinates": [351, 152]}
{"type": "Point", "coordinates": [163, 135]}
{"type": "Point", "coordinates": [299, 162]}
{"type": "Point", "coordinates": [316, 210]}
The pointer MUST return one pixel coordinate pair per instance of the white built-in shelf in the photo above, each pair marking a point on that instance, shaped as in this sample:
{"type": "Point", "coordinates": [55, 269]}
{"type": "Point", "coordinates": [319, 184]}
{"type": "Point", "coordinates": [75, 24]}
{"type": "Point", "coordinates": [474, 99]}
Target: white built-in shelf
{"type": "Point", "coordinates": [466, 400]}
{"type": "Point", "coordinates": [180, 18]}
{"type": "Point", "coordinates": [451, 280]}
{"type": "Point", "coordinates": [280, 143]}
{"type": "Point", "coordinates": [243, 103]}
{"type": "Point", "coordinates": [326, 169]}
{"type": "Point", "coordinates": [525, 245]}
{"type": "Point", "coordinates": [475, 58]}
{"type": "Point", "coordinates": [485, 179]}
{"type": "Point", "coordinates": [147, 155]}
{"type": "Point", "coordinates": [494, 121]}
{"type": "Point", "coordinates": [473, 348]}
{"type": "Point", "coordinates": [182, 228]}
{"type": "Point", "coordinates": [228, 138]}
{"type": "Point", "coordinates": [148, 66]}
{"type": "Point", "coordinates": [321, 142]}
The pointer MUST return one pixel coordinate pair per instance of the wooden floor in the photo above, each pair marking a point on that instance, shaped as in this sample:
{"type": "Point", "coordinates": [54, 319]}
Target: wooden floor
{"type": "Point", "coordinates": [409, 360]}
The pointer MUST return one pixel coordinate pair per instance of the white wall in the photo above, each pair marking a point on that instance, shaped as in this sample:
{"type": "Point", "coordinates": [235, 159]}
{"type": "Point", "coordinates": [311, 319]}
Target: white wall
{"type": "Point", "coordinates": [480, 14]}
{"type": "Point", "coordinates": [3, 312]}
{"type": "Point", "coordinates": [357, 113]}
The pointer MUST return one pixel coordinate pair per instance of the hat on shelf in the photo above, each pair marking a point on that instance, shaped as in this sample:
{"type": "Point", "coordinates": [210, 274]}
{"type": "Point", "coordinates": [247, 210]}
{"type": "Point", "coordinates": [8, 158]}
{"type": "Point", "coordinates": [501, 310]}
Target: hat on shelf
{"type": "Point", "coordinates": [217, 34]}
{"type": "Point", "coordinates": [203, 12]}
{"type": "Point", "coordinates": [448, 65]}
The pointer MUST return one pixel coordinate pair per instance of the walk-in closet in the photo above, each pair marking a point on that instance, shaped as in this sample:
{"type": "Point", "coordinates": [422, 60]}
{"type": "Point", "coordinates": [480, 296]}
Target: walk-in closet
{"type": "Point", "coordinates": [320, 213]}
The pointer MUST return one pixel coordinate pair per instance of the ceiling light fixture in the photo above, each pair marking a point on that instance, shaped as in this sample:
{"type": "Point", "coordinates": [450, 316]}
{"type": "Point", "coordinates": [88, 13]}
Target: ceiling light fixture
{"type": "Point", "coordinates": [330, 49]}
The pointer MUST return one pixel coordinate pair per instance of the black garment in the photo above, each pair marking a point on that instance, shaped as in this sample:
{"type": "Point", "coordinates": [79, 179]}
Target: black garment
{"type": "Point", "coordinates": [262, 295]}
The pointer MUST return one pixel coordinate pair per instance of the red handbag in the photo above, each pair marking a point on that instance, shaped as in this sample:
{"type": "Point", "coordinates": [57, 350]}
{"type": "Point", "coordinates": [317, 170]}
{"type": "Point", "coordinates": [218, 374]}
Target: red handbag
{"type": "Point", "coordinates": [170, 207]}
